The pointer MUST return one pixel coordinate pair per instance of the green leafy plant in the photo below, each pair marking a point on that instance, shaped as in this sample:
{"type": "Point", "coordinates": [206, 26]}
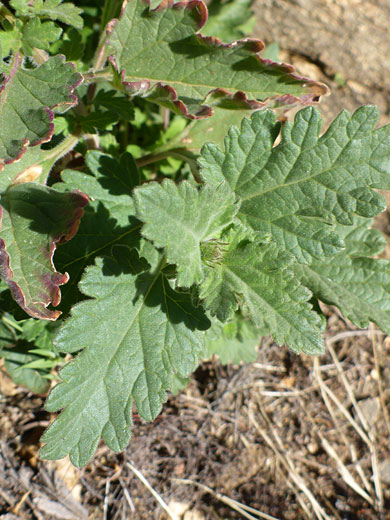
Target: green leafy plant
{"type": "Point", "coordinates": [153, 172]}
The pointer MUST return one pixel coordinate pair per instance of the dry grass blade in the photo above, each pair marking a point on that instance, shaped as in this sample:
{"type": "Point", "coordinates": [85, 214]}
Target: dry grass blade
{"type": "Point", "coordinates": [287, 462]}
{"type": "Point", "coordinates": [346, 384]}
{"type": "Point", "coordinates": [233, 504]}
{"type": "Point", "coordinates": [127, 495]}
{"type": "Point", "coordinates": [105, 503]}
{"type": "Point", "coordinates": [373, 337]}
{"type": "Point", "coordinates": [327, 392]}
{"type": "Point", "coordinates": [370, 438]}
{"type": "Point", "coordinates": [344, 472]}
{"type": "Point", "coordinates": [152, 491]}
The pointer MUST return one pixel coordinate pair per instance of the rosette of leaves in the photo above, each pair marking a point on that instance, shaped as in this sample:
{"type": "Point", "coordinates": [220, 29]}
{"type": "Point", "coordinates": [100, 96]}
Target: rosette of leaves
{"type": "Point", "coordinates": [166, 266]}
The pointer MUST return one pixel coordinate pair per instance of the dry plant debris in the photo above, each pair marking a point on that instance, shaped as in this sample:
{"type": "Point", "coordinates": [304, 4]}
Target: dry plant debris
{"type": "Point", "coordinates": [286, 438]}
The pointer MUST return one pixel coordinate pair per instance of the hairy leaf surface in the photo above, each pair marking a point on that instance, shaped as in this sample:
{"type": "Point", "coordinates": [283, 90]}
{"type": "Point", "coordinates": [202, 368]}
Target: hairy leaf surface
{"type": "Point", "coordinates": [179, 218]}
{"type": "Point", "coordinates": [39, 34]}
{"type": "Point", "coordinates": [154, 333]}
{"type": "Point", "coordinates": [297, 190]}
{"type": "Point", "coordinates": [188, 73]}
{"type": "Point", "coordinates": [255, 276]}
{"type": "Point", "coordinates": [34, 219]}
{"type": "Point", "coordinates": [359, 286]}
{"type": "Point", "coordinates": [65, 12]}
{"type": "Point", "coordinates": [27, 98]}
{"type": "Point", "coordinates": [109, 218]}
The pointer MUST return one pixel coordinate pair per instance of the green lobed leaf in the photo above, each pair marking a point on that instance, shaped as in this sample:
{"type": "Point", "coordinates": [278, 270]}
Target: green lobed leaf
{"type": "Point", "coordinates": [359, 286]}
{"type": "Point", "coordinates": [40, 333]}
{"type": "Point", "coordinates": [115, 102]}
{"type": "Point", "coordinates": [108, 219]}
{"type": "Point", "coordinates": [255, 275]}
{"type": "Point", "coordinates": [97, 120]}
{"type": "Point", "coordinates": [188, 73]}
{"type": "Point", "coordinates": [154, 332]}
{"type": "Point", "coordinates": [28, 97]}
{"type": "Point", "coordinates": [72, 45]}
{"type": "Point", "coordinates": [39, 34]}
{"type": "Point", "coordinates": [180, 218]}
{"type": "Point", "coordinates": [297, 190]}
{"type": "Point", "coordinates": [34, 219]}
{"type": "Point", "coordinates": [11, 40]}
{"type": "Point", "coordinates": [65, 12]}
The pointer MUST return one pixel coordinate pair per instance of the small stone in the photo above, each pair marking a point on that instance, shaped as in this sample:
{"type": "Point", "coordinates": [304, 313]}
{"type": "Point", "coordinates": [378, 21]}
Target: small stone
{"type": "Point", "coordinates": [370, 409]}
{"type": "Point", "coordinates": [384, 471]}
{"type": "Point", "coordinates": [374, 374]}
{"type": "Point", "coordinates": [312, 448]}
{"type": "Point", "coordinates": [194, 515]}
{"type": "Point", "coordinates": [178, 508]}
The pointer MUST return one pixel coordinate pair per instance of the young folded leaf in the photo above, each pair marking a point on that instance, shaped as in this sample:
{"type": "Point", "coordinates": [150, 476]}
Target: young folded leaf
{"type": "Point", "coordinates": [358, 285]}
{"type": "Point", "coordinates": [255, 275]}
{"type": "Point", "coordinates": [180, 218]}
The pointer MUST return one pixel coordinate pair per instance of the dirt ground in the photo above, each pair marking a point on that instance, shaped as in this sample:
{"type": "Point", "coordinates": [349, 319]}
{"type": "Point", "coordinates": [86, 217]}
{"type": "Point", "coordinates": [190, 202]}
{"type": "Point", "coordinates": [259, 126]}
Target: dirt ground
{"type": "Point", "coordinates": [287, 438]}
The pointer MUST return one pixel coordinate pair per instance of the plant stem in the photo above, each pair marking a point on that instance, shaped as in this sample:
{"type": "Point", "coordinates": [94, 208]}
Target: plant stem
{"type": "Point", "coordinates": [152, 158]}
{"type": "Point", "coordinates": [11, 323]}
{"type": "Point", "coordinates": [111, 9]}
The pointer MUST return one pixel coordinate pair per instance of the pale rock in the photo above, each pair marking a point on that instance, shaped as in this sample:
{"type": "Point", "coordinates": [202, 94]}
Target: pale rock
{"type": "Point", "coordinates": [194, 515]}
{"type": "Point", "coordinates": [370, 409]}
{"type": "Point", "coordinates": [178, 508]}
{"type": "Point", "coordinates": [384, 471]}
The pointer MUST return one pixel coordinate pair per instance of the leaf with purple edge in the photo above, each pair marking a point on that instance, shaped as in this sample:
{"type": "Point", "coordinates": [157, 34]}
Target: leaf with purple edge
{"type": "Point", "coordinates": [180, 69]}
{"type": "Point", "coordinates": [34, 219]}
{"type": "Point", "coordinates": [27, 100]}
{"type": "Point", "coordinates": [35, 164]}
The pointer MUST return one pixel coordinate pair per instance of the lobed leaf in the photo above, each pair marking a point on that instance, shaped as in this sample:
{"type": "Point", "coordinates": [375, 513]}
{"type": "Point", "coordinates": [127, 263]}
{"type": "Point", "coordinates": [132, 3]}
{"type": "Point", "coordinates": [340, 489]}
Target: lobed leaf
{"type": "Point", "coordinates": [298, 189]}
{"type": "Point", "coordinates": [27, 100]}
{"type": "Point", "coordinates": [154, 332]}
{"type": "Point", "coordinates": [39, 35]}
{"type": "Point", "coordinates": [189, 73]}
{"type": "Point", "coordinates": [65, 12]}
{"type": "Point", "coordinates": [359, 286]}
{"type": "Point", "coordinates": [255, 276]}
{"type": "Point", "coordinates": [34, 219]}
{"type": "Point", "coordinates": [179, 218]}
{"type": "Point", "coordinates": [109, 218]}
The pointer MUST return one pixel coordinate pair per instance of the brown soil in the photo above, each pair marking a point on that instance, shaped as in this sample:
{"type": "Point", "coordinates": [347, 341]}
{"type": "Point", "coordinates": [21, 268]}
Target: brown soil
{"type": "Point", "coordinates": [291, 437]}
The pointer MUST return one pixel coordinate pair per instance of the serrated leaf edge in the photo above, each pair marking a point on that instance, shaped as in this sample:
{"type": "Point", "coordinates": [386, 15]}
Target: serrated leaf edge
{"type": "Point", "coordinates": [18, 59]}
{"type": "Point", "coordinates": [56, 280]}
{"type": "Point", "coordinates": [142, 87]}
